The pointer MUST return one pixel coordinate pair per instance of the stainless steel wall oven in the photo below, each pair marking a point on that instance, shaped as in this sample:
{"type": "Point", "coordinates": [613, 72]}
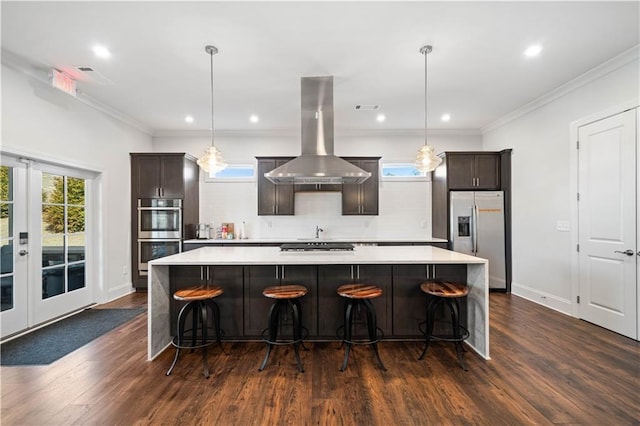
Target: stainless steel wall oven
{"type": "Point", "coordinates": [159, 230]}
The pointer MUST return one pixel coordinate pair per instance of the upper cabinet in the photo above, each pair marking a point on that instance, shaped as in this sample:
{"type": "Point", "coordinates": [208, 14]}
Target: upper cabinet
{"type": "Point", "coordinates": [273, 200]}
{"type": "Point", "coordinates": [472, 171]}
{"type": "Point", "coordinates": [362, 199]}
{"type": "Point", "coordinates": [159, 175]}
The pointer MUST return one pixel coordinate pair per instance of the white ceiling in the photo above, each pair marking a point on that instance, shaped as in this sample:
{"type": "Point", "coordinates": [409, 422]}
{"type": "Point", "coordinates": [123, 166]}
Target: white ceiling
{"type": "Point", "coordinates": [159, 71]}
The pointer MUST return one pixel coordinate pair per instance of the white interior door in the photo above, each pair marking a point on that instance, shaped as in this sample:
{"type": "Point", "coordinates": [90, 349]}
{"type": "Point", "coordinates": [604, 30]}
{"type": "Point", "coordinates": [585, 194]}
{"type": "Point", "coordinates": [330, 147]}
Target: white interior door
{"type": "Point", "coordinates": [14, 250]}
{"type": "Point", "coordinates": [607, 223]}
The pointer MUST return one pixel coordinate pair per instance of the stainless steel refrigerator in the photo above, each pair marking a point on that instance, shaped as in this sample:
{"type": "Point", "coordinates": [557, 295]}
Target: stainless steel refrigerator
{"type": "Point", "coordinates": [478, 228]}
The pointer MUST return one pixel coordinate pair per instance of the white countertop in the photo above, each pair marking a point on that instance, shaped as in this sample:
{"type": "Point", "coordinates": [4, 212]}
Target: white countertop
{"type": "Point", "coordinates": [337, 240]}
{"type": "Point", "coordinates": [360, 255]}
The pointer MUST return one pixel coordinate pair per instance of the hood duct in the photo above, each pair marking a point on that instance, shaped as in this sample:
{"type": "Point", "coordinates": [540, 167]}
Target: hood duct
{"type": "Point", "coordinates": [317, 163]}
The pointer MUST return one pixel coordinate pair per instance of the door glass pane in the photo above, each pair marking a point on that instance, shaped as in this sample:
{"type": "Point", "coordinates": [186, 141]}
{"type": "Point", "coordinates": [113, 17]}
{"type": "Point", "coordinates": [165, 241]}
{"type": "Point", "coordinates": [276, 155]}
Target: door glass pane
{"type": "Point", "coordinates": [75, 250]}
{"type": "Point", "coordinates": [52, 282]}
{"type": "Point", "coordinates": [52, 188]}
{"type": "Point", "coordinates": [6, 183]}
{"type": "Point", "coordinates": [75, 219]}
{"type": "Point", "coordinates": [75, 191]}
{"type": "Point", "coordinates": [6, 292]}
{"type": "Point", "coordinates": [6, 257]}
{"type": "Point", "coordinates": [52, 249]}
{"type": "Point", "coordinates": [75, 276]}
{"type": "Point", "coordinates": [6, 220]}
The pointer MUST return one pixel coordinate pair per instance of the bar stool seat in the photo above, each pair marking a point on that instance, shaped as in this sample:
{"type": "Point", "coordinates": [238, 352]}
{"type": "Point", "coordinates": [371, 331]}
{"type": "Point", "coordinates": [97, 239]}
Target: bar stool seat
{"type": "Point", "coordinates": [360, 295]}
{"type": "Point", "coordinates": [447, 292]}
{"type": "Point", "coordinates": [200, 301]}
{"type": "Point", "coordinates": [285, 297]}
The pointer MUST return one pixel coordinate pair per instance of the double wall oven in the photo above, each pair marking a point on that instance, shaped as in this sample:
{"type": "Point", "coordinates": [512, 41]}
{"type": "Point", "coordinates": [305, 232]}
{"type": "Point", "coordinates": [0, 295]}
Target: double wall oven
{"type": "Point", "coordinates": [159, 230]}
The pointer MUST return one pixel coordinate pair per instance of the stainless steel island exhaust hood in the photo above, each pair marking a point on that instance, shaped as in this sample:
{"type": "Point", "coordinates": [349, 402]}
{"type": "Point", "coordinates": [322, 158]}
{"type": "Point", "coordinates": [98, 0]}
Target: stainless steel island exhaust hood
{"type": "Point", "coordinates": [317, 164]}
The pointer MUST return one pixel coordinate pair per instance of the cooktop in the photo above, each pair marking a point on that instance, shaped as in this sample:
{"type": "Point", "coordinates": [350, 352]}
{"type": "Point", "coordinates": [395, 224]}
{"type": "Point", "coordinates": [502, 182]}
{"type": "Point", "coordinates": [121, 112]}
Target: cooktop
{"type": "Point", "coordinates": [316, 246]}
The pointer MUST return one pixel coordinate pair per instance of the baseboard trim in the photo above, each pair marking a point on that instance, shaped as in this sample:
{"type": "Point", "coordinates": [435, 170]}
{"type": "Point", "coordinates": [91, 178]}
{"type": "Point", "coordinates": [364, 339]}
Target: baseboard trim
{"type": "Point", "coordinates": [120, 291]}
{"type": "Point", "coordinates": [542, 298]}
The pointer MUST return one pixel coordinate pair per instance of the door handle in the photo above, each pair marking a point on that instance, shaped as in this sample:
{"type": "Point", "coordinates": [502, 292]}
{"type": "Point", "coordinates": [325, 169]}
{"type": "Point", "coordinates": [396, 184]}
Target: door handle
{"type": "Point", "coordinates": [628, 252]}
{"type": "Point", "coordinates": [23, 252]}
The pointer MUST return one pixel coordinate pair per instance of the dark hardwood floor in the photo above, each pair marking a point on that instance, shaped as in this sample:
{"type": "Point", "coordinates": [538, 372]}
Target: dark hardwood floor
{"type": "Point", "coordinates": [546, 368]}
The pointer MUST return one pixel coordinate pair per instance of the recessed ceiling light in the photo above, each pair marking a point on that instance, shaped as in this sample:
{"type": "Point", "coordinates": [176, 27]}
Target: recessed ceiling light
{"type": "Point", "coordinates": [380, 118]}
{"type": "Point", "coordinates": [188, 119]}
{"type": "Point", "coordinates": [533, 50]}
{"type": "Point", "coordinates": [254, 118]}
{"type": "Point", "coordinates": [101, 51]}
{"type": "Point", "coordinates": [445, 117]}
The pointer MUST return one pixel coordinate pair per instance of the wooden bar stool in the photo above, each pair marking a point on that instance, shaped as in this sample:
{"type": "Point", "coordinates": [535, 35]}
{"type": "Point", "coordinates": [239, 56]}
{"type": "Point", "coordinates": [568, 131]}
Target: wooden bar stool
{"type": "Point", "coordinates": [357, 295]}
{"type": "Point", "coordinates": [447, 292]}
{"type": "Point", "coordinates": [200, 300]}
{"type": "Point", "coordinates": [285, 297]}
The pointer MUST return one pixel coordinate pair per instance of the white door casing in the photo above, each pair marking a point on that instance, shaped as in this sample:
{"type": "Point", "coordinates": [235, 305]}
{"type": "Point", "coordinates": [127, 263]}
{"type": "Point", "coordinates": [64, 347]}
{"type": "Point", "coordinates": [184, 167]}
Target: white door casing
{"type": "Point", "coordinates": [607, 223]}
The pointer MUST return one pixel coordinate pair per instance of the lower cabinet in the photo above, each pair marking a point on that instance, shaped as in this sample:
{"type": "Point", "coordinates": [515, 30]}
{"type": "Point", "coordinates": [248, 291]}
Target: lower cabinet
{"type": "Point", "coordinates": [410, 303]}
{"type": "Point", "coordinates": [244, 310]}
{"type": "Point", "coordinates": [256, 306]}
{"type": "Point", "coordinates": [230, 302]}
{"type": "Point", "coordinates": [330, 277]}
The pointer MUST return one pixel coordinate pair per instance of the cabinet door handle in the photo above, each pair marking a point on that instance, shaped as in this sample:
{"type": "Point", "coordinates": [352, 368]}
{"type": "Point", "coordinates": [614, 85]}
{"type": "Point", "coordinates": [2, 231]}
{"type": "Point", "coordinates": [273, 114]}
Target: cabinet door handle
{"type": "Point", "coordinates": [282, 273]}
{"type": "Point", "coordinates": [358, 272]}
{"type": "Point", "coordinates": [202, 273]}
{"type": "Point", "coordinates": [277, 270]}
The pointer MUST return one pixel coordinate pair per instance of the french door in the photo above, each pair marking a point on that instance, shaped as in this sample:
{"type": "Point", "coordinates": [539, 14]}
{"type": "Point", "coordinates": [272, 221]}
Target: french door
{"type": "Point", "coordinates": [46, 230]}
{"type": "Point", "coordinates": [13, 249]}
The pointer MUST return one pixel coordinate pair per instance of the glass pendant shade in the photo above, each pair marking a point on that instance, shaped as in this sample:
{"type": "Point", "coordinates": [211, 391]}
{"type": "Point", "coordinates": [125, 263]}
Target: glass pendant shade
{"type": "Point", "coordinates": [427, 160]}
{"type": "Point", "coordinates": [212, 161]}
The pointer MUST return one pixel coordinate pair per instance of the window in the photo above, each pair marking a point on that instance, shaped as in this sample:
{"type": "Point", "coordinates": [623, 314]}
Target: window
{"type": "Point", "coordinates": [234, 173]}
{"type": "Point", "coordinates": [403, 172]}
{"type": "Point", "coordinates": [63, 234]}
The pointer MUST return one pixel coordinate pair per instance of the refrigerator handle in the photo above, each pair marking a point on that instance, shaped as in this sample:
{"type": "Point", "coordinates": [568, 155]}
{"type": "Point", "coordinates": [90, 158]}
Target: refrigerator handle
{"type": "Point", "coordinates": [474, 229]}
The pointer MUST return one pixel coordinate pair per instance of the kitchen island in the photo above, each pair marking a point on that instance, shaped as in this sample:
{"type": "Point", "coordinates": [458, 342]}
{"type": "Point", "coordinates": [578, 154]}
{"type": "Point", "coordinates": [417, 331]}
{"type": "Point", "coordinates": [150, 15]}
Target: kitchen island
{"type": "Point", "coordinates": [244, 271]}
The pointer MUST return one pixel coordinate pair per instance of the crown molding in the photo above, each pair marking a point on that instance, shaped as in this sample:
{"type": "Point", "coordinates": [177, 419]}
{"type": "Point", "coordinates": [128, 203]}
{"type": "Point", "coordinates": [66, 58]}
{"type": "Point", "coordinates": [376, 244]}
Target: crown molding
{"type": "Point", "coordinates": [167, 133]}
{"type": "Point", "coordinates": [599, 71]}
{"type": "Point", "coordinates": [19, 64]}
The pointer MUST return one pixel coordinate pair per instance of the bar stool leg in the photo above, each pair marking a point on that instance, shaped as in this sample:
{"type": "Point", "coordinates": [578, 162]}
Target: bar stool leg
{"type": "Point", "coordinates": [455, 324]}
{"type": "Point", "coordinates": [215, 310]}
{"type": "Point", "coordinates": [296, 302]}
{"type": "Point", "coordinates": [372, 324]}
{"type": "Point", "coordinates": [431, 307]}
{"type": "Point", "coordinates": [182, 317]}
{"type": "Point", "coordinates": [348, 318]}
{"type": "Point", "coordinates": [297, 332]}
{"type": "Point", "coordinates": [274, 316]}
{"type": "Point", "coordinates": [203, 317]}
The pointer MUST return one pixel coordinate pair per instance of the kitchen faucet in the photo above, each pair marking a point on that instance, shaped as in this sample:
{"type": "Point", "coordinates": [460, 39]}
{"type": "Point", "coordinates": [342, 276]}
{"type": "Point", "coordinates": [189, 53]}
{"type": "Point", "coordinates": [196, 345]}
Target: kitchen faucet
{"type": "Point", "coordinates": [318, 231]}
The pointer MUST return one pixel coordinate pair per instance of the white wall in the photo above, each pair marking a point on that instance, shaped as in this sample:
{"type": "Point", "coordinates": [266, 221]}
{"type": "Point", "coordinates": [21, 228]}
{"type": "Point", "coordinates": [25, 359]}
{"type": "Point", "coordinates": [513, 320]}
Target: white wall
{"type": "Point", "coordinates": [541, 182]}
{"type": "Point", "coordinates": [47, 124]}
{"type": "Point", "coordinates": [405, 207]}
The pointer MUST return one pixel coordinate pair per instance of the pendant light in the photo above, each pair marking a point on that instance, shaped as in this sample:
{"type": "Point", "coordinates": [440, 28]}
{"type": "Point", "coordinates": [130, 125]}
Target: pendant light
{"type": "Point", "coordinates": [212, 161]}
{"type": "Point", "coordinates": [426, 160]}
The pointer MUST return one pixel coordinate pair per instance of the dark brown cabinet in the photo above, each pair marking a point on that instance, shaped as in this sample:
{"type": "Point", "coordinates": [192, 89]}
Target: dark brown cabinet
{"type": "Point", "coordinates": [256, 306]}
{"type": "Point", "coordinates": [362, 199]}
{"type": "Point", "coordinates": [163, 175]}
{"type": "Point", "coordinates": [330, 277]}
{"type": "Point", "coordinates": [409, 302]}
{"type": "Point", "coordinates": [473, 171]}
{"type": "Point", "coordinates": [230, 302]}
{"type": "Point", "coordinates": [273, 200]}
{"type": "Point", "coordinates": [159, 176]}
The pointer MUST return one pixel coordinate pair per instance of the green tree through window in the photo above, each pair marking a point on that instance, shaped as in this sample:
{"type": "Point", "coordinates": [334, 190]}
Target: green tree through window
{"type": "Point", "coordinates": [53, 215]}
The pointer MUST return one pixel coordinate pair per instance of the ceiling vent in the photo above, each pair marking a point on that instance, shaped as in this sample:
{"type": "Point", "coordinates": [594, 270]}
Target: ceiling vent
{"type": "Point", "coordinates": [362, 107]}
